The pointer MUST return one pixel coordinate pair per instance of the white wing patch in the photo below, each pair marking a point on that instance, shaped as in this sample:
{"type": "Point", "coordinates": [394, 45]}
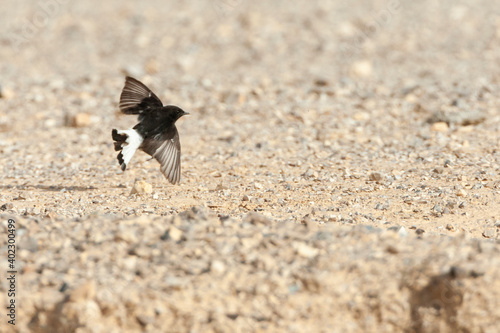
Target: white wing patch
{"type": "Point", "coordinates": [133, 142]}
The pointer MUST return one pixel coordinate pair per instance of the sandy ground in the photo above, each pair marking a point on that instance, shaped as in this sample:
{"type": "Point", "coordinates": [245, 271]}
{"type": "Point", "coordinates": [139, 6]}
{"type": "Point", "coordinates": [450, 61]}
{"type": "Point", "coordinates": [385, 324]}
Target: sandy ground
{"type": "Point", "coordinates": [340, 166]}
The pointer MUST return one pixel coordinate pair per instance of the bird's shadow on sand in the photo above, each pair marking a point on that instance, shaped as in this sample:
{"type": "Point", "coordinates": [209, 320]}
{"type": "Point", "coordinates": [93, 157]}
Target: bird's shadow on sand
{"type": "Point", "coordinates": [55, 188]}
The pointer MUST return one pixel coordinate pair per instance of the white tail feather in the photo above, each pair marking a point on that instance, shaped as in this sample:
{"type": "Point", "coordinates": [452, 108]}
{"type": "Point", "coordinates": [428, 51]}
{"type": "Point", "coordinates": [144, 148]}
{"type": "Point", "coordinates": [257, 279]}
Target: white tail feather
{"type": "Point", "coordinates": [133, 142]}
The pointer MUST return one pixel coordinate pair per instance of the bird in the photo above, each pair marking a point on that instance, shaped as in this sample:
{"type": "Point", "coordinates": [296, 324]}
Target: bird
{"type": "Point", "coordinates": [155, 134]}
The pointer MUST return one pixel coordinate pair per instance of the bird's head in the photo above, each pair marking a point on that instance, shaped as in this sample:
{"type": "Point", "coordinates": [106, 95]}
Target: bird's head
{"type": "Point", "coordinates": [176, 112]}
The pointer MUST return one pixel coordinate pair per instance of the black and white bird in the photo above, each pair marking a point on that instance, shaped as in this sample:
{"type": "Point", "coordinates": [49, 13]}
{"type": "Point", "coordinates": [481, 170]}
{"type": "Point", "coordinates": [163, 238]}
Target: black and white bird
{"type": "Point", "coordinates": [155, 133]}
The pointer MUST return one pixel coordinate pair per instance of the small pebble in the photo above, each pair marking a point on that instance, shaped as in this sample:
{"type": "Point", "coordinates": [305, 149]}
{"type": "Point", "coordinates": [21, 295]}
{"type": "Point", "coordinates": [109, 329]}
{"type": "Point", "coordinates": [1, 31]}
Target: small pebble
{"type": "Point", "coordinates": [438, 170]}
{"type": "Point", "coordinates": [173, 233]}
{"type": "Point", "coordinates": [439, 127]}
{"type": "Point", "coordinates": [402, 232]}
{"type": "Point", "coordinates": [375, 176]}
{"type": "Point", "coordinates": [7, 93]}
{"type": "Point", "coordinates": [141, 187]}
{"type": "Point", "coordinates": [451, 204]}
{"type": "Point", "coordinates": [305, 250]}
{"type": "Point", "coordinates": [437, 209]}
{"type": "Point", "coordinates": [363, 69]}
{"type": "Point", "coordinates": [7, 206]}
{"type": "Point", "coordinates": [489, 233]}
{"type": "Point", "coordinates": [79, 120]}
{"type": "Point", "coordinates": [218, 267]}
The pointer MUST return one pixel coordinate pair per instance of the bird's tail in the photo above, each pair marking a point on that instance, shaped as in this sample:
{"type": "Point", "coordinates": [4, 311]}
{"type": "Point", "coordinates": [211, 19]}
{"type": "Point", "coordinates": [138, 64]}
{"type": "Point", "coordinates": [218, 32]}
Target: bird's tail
{"type": "Point", "coordinates": [127, 142]}
{"type": "Point", "coordinates": [119, 139]}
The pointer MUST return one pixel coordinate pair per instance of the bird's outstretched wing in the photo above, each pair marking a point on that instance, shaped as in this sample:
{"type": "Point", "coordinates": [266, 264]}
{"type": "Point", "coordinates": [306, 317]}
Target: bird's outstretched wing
{"type": "Point", "coordinates": [166, 149]}
{"type": "Point", "coordinates": [137, 98]}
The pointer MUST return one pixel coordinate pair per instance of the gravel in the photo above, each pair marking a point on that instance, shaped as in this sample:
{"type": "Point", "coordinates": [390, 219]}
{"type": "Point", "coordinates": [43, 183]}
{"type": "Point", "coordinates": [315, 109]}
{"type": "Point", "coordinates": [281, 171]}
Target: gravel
{"type": "Point", "coordinates": [339, 166]}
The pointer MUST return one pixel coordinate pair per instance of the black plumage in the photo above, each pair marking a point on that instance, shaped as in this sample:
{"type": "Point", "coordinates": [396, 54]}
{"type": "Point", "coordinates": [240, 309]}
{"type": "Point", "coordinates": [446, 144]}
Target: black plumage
{"type": "Point", "coordinates": [155, 133]}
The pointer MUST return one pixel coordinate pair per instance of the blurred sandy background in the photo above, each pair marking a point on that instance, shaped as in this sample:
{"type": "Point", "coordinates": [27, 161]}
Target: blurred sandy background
{"type": "Point", "coordinates": [339, 168]}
